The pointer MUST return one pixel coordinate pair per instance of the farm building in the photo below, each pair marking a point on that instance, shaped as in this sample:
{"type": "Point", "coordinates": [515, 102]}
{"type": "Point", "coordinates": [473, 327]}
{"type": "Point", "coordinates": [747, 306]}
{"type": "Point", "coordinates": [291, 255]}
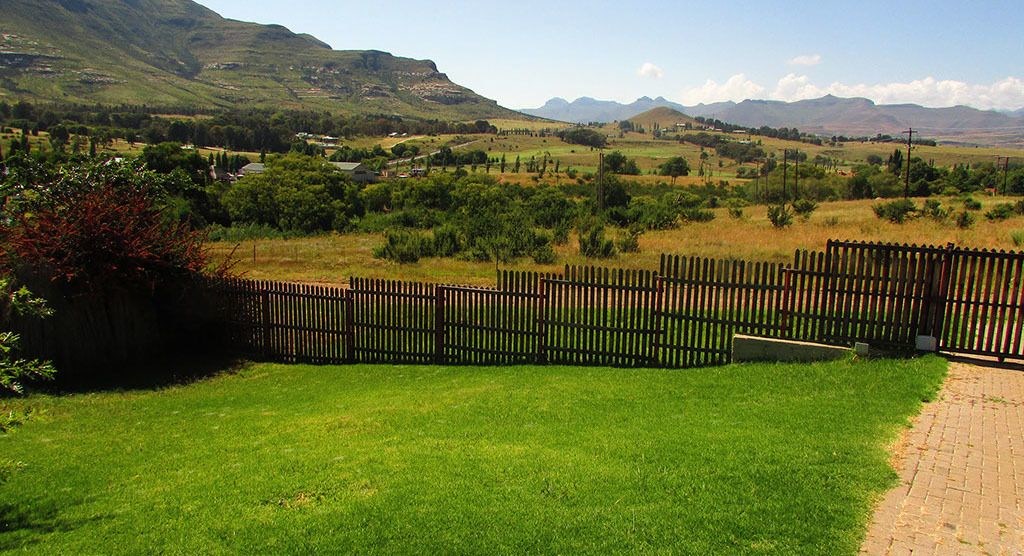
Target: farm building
{"type": "Point", "coordinates": [253, 168]}
{"type": "Point", "coordinates": [356, 171]}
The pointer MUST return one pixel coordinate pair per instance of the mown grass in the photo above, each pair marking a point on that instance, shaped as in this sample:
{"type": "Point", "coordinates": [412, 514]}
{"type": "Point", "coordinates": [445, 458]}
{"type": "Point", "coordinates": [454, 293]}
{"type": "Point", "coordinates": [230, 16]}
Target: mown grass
{"type": "Point", "coordinates": [393, 459]}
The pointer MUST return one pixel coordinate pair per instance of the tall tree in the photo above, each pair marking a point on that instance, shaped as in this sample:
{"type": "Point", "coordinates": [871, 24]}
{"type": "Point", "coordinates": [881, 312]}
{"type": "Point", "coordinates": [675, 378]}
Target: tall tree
{"type": "Point", "coordinates": [675, 167]}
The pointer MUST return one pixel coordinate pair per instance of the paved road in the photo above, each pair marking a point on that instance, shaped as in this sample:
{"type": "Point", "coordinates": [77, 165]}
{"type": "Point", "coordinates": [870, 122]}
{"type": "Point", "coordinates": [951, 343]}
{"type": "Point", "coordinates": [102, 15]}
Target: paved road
{"type": "Point", "coordinates": [397, 161]}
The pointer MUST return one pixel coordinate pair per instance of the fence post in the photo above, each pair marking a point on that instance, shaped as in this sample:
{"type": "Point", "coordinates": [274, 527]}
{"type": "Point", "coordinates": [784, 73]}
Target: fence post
{"type": "Point", "coordinates": [827, 321]}
{"type": "Point", "coordinates": [939, 295]}
{"type": "Point", "coordinates": [655, 321]}
{"type": "Point", "coordinates": [350, 328]}
{"type": "Point", "coordinates": [784, 309]}
{"type": "Point", "coordinates": [542, 335]}
{"type": "Point", "coordinates": [265, 317]}
{"type": "Point", "coordinates": [439, 324]}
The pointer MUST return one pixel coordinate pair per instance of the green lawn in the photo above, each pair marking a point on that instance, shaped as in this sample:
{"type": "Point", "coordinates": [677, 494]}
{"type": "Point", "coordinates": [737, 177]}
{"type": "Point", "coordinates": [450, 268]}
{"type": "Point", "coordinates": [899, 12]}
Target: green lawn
{"type": "Point", "coordinates": [395, 459]}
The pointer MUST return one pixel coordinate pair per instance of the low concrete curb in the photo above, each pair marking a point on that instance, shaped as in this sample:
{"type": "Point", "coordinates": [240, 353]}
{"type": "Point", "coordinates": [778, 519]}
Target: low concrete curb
{"type": "Point", "coordinates": [756, 348]}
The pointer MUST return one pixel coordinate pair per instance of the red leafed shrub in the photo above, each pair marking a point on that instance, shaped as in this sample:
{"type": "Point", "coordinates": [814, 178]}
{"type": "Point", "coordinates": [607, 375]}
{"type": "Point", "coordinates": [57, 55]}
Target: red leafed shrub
{"type": "Point", "coordinates": [105, 237]}
{"type": "Point", "coordinates": [99, 227]}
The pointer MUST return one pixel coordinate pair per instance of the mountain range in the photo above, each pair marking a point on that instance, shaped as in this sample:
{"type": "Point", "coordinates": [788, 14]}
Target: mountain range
{"type": "Point", "coordinates": [177, 53]}
{"type": "Point", "coordinates": [828, 115]}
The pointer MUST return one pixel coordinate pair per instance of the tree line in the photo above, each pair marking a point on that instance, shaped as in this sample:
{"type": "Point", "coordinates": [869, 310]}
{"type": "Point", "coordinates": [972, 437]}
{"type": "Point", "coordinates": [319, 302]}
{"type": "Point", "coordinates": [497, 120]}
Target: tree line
{"type": "Point", "coordinates": [248, 129]}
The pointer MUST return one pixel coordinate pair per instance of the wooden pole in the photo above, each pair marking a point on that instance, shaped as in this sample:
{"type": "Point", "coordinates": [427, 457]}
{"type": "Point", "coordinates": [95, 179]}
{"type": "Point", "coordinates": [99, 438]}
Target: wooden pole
{"type": "Point", "coordinates": [906, 187]}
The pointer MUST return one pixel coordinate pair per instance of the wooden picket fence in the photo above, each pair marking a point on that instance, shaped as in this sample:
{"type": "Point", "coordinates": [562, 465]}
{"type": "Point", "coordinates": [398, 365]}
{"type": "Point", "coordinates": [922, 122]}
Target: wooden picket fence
{"type": "Point", "coordinates": [683, 315]}
{"type": "Point", "coordinates": [706, 301]}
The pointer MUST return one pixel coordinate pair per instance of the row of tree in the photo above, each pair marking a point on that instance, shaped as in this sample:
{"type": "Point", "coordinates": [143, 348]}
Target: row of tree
{"type": "Point", "coordinates": [249, 129]}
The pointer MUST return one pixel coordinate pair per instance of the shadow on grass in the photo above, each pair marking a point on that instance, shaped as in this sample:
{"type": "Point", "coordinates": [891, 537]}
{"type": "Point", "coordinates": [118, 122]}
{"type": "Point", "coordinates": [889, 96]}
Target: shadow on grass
{"type": "Point", "coordinates": [160, 372]}
{"type": "Point", "coordinates": [21, 527]}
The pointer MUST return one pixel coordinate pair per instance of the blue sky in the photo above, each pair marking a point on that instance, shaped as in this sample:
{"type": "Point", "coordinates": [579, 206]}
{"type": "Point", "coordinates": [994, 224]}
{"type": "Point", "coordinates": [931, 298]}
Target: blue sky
{"type": "Point", "coordinates": [935, 53]}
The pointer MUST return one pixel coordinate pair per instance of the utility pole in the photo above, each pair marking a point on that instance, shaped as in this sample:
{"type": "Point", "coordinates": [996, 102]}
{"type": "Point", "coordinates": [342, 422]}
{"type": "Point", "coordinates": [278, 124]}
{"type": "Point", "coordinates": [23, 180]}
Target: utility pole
{"type": "Point", "coordinates": [906, 187]}
{"type": "Point", "coordinates": [757, 177]}
{"type": "Point", "coordinates": [1006, 168]}
{"type": "Point", "coordinates": [785, 168]}
{"type": "Point", "coordinates": [796, 174]}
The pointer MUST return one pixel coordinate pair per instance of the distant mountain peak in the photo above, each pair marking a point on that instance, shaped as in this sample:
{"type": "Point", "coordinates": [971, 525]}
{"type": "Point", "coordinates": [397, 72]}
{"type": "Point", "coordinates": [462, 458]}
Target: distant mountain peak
{"type": "Point", "coordinates": [827, 115]}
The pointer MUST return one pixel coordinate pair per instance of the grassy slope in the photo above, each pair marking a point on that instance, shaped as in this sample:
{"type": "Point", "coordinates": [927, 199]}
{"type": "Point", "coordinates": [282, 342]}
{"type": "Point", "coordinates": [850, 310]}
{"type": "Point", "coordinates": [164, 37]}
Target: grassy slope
{"type": "Point", "coordinates": [176, 52]}
{"type": "Point", "coordinates": [285, 459]}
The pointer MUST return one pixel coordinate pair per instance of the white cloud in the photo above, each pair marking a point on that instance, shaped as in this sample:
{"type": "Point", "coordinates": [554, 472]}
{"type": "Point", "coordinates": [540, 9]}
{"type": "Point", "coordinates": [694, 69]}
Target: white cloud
{"type": "Point", "coordinates": [736, 88]}
{"type": "Point", "coordinates": [806, 60]}
{"type": "Point", "coordinates": [1007, 93]}
{"type": "Point", "coordinates": [650, 70]}
{"type": "Point", "coordinates": [796, 87]}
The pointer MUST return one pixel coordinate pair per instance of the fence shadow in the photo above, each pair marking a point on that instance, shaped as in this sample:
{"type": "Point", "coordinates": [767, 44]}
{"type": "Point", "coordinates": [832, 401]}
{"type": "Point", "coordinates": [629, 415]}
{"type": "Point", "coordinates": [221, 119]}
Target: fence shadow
{"type": "Point", "coordinates": [984, 361]}
{"type": "Point", "coordinates": [173, 370]}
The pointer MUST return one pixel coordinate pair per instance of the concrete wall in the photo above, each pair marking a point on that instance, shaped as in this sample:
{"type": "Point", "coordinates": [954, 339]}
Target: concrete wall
{"type": "Point", "coordinates": [756, 348]}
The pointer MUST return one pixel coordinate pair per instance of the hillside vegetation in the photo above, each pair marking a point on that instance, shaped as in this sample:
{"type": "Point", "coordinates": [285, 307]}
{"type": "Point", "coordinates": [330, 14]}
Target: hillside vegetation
{"type": "Point", "coordinates": [178, 53]}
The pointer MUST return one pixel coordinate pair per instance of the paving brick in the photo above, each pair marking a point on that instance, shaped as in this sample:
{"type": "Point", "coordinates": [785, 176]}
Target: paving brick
{"type": "Point", "coordinates": [962, 473]}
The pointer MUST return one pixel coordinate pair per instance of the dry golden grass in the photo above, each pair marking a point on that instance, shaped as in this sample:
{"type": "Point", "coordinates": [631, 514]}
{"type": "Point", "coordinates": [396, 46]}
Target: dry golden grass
{"type": "Point", "coordinates": [333, 258]}
{"type": "Point", "coordinates": [535, 125]}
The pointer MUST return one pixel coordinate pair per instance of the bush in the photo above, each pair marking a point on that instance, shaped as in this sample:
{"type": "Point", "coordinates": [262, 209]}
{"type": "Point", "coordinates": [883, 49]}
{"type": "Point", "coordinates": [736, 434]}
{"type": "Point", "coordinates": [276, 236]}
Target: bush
{"type": "Point", "coordinates": [804, 208]}
{"type": "Point", "coordinates": [780, 216]}
{"type": "Point", "coordinates": [404, 247]}
{"type": "Point", "coordinates": [560, 233]}
{"type": "Point", "coordinates": [1002, 211]}
{"type": "Point", "coordinates": [545, 254]}
{"type": "Point", "coordinates": [1018, 237]}
{"type": "Point", "coordinates": [970, 203]}
{"type": "Point", "coordinates": [896, 212]}
{"type": "Point", "coordinates": [735, 208]}
{"type": "Point", "coordinates": [446, 241]}
{"type": "Point", "coordinates": [652, 214]}
{"type": "Point", "coordinates": [697, 215]}
{"type": "Point", "coordinates": [1018, 207]}
{"type": "Point", "coordinates": [14, 370]}
{"type": "Point", "coordinates": [244, 232]}
{"type": "Point", "coordinates": [100, 226]}
{"type": "Point", "coordinates": [593, 244]}
{"type": "Point", "coordinates": [933, 209]}
{"type": "Point", "coordinates": [964, 220]}
{"type": "Point", "coordinates": [686, 200]}
{"type": "Point", "coordinates": [583, 136]}
{"type": "Point", "coordinates": [629, 240]}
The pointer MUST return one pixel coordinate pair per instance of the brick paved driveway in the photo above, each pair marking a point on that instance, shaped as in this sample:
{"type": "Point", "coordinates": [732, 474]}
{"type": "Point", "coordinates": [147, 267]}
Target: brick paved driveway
{"type": "Point", "coordinates": [961, 472]}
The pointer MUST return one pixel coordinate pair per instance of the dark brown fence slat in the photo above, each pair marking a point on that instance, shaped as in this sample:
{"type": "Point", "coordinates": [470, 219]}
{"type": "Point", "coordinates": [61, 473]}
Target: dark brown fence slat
{"type": "Point", "coordinates": [684, 315]}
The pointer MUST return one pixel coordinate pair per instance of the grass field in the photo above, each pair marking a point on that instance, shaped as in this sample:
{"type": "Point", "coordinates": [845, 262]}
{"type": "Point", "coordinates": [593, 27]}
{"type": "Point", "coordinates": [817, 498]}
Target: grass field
{"type": "Point", "coordinates": [650, 152]}
{"type": "Point", "coordinates": [333, 258]}
{"type": "Point", "coordinates": [776, 459]}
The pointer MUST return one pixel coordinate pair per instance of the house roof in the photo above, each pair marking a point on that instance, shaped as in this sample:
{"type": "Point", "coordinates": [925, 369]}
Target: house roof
{"type": "Point", "coordinates": [254, 168]}
{"type": "Point", "coordinates": [347, 166]}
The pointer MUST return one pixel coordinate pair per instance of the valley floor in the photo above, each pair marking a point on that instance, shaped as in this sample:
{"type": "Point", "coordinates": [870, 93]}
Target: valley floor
{"type": "Point", "coordinates": [331, 259]}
